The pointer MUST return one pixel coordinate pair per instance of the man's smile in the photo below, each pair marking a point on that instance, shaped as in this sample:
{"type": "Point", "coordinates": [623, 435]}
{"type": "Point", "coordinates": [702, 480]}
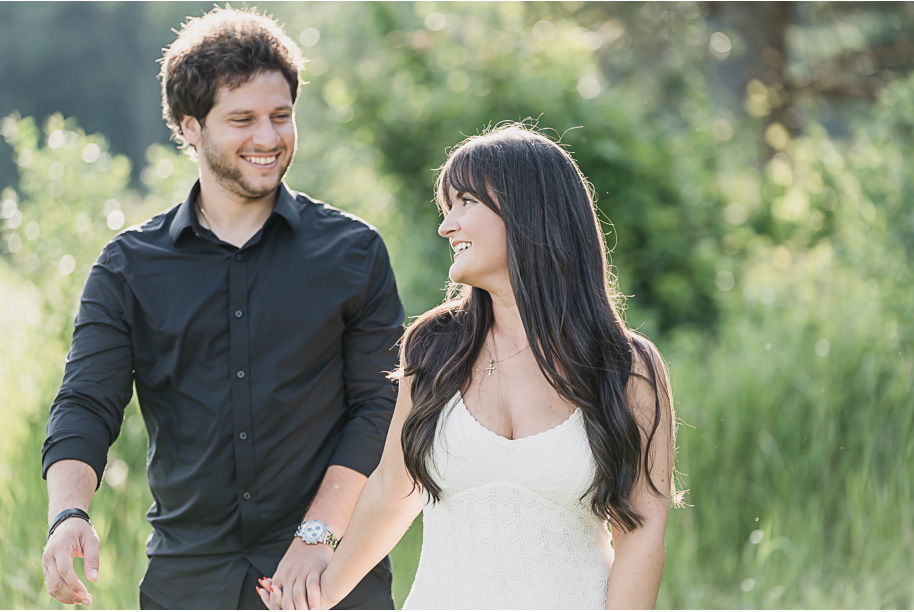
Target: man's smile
{"type": "Point", "coordinates": [261, 161]}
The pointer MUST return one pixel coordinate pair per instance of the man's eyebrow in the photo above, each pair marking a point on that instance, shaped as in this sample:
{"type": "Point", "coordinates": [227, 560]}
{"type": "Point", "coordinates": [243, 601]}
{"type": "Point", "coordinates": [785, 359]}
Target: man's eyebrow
{"type": "Point", "coordinates": [242, 111]}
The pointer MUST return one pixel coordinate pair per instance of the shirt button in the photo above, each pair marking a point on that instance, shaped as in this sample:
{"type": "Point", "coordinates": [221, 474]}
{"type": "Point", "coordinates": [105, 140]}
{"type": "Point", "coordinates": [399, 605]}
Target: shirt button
{"type": "Point", "coordinates": [246, 495]}
{"type": "Point", "coordinates": [239, 314]}
{"type": "Point", "coordinates": [240, 374]}
{"type": "Point", "coordinates": [243, 435]}
{"type": "Point", "coordinates": [238, 257]}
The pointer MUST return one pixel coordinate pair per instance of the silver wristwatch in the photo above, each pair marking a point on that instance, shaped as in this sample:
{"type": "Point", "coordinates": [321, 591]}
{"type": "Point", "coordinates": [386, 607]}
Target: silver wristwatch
{"type": "Point", "coordinates": [316, 532]}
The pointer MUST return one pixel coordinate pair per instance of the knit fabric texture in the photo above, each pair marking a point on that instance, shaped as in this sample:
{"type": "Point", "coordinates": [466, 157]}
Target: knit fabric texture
{"type": "Point", "coordinates": [511, 530]}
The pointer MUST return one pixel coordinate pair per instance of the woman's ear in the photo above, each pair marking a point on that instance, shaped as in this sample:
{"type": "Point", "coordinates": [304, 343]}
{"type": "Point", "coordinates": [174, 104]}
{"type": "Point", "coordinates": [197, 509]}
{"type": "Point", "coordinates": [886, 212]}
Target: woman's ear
{"type": "Point", "coordinates": [191, 130]}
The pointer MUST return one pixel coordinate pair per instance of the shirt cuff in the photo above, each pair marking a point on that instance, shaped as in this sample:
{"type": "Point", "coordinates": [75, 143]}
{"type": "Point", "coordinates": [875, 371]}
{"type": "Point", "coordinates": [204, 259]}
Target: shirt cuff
{"type": "Point", "coordinates": [74, 445]}
{"type": "Point", "coordinates": [359, 451]}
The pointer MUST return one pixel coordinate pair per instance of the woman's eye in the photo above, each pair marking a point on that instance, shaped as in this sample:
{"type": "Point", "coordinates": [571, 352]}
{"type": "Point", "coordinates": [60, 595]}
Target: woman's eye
{"type": "Point", "coordinates": [468, 201]}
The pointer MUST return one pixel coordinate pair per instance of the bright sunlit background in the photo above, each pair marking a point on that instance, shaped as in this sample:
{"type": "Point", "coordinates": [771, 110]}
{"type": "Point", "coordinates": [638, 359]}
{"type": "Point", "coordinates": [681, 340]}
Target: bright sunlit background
{"type": "Point", "coordinates": [749, 156]}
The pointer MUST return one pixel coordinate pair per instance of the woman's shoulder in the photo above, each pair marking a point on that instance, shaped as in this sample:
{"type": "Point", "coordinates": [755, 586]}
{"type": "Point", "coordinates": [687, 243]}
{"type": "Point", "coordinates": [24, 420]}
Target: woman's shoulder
{"type": "Point", "coordinates": [644, 354]}
{"type": "Point", "coordinates": [648, 382]}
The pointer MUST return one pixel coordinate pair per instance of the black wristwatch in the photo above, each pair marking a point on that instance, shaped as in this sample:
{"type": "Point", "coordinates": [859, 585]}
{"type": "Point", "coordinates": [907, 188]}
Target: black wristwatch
{"type": "Point", "coordinates": [69, 512]}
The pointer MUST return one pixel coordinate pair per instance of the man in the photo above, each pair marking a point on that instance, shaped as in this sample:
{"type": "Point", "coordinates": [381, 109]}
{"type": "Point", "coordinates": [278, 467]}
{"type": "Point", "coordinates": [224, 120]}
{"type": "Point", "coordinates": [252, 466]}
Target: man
{"type": "Point", "coordinates": [257, 325]}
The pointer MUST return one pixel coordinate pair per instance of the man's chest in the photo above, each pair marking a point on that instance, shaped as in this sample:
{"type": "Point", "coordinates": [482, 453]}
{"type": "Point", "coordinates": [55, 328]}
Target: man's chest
{"type": "Point", "coordinates": [240, 306]}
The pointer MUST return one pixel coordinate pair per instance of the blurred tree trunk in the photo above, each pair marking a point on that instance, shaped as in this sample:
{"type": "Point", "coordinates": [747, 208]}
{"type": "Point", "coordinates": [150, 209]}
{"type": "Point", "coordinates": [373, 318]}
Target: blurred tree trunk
{"type": "Point", "coordinates": [762, 31]}
{"type": "Point", "coordinates": [762, 27]}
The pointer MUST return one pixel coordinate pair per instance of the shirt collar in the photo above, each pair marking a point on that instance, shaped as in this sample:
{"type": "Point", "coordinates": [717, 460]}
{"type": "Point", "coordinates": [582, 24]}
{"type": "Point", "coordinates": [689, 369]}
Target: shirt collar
{"type": "Point", "coordinates": [286, 207]}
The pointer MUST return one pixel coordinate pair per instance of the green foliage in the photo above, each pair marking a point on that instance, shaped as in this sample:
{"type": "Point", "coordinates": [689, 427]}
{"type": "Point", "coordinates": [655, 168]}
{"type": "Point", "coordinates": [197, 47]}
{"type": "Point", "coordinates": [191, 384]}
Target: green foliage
{"type": "Point", "coordinates": [425, 76]}
{"type": "Point", "coordinates": [802, 429]}
{"type": "Point", "coordinates": [800, 456]}
{"type": "Point", "coordinates": [54, 225]}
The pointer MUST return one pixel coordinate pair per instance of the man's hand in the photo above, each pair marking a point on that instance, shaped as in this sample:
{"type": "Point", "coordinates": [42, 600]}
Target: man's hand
{"type": "Point", "coordinates": [296, 583]}
{"type": "Point", "coordinates": [73, 538]}
{"type": "Point", "coordinates": [297, 580]}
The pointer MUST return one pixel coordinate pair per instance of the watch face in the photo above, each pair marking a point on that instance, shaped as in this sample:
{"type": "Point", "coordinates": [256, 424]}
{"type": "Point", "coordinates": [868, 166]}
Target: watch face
{"type": "Point", "coordinates": [313, 531]}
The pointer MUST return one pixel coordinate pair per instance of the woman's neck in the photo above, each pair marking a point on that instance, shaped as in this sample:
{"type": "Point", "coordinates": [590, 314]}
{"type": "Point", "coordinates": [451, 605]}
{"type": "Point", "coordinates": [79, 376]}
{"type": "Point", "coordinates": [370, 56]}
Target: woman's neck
{"type": "Point", "coordinates": [507, 328]}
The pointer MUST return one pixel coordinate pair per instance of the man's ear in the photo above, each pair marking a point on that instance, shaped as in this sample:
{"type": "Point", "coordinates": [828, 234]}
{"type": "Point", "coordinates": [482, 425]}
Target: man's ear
{"type": "Point", "coordinates": [191, 129]}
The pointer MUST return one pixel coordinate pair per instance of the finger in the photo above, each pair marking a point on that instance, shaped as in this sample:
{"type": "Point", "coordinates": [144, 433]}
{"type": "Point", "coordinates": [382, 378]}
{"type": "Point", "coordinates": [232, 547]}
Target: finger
{"type": "Point", "coordinates": [314, 591]}
{"type": "Point", "coordinates": [298, 595]}
{"type": "Point", "coordinates": [69, 584]}
{"type": "Point", "coordinates": [287, 596]}
{"type": "Point", "coordinates": [54, 584]}
{"type": "Point", "coordinates": [58, 589]}
{"type": "Point", "coordinates": [91, 557]}
{"type": "Point", "coordinates": [264, 591]}
{"type": "Point", "coordinates": [275, 596]}
{"type": "Point", "coordinates": [264, 596]}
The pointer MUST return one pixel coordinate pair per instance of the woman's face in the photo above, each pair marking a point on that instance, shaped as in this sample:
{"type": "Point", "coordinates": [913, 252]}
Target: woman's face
{"type": "Point", "coordinates": [477, 238]}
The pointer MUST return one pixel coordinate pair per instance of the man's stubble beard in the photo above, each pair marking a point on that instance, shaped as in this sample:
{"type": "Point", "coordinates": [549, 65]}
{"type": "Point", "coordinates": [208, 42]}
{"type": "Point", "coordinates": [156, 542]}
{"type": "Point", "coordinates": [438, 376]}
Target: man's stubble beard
{"type": "Point", "coordinates": [231, 178]}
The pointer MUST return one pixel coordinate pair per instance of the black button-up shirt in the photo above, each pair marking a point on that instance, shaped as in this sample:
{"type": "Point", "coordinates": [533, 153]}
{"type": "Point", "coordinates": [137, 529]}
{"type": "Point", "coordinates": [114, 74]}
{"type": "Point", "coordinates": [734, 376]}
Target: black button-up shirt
{"type": "Point", "coordinates": [255, 369]}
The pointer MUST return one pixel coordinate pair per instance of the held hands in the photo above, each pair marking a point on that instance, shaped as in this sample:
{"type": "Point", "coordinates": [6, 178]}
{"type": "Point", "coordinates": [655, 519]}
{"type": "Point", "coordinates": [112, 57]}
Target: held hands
{"type": "Point", "coordinates": [296, 585]}
{"type": "Point", "coordinates": [272, 597]}
{"type": "Point", "coordinates": [71, 539]}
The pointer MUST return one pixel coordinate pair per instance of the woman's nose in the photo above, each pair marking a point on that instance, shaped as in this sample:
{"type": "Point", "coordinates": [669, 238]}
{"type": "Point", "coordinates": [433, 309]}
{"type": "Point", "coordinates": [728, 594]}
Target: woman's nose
{"type": "Point", "coordinates": [448, 226]}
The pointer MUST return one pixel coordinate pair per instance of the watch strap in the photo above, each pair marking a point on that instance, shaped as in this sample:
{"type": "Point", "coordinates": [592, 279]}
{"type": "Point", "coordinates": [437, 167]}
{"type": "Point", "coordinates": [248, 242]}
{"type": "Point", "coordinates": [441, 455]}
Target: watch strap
{"type": "Point", "coordinates": [68, 513]}
{"type": "Point", "coordinates": [330, 540]}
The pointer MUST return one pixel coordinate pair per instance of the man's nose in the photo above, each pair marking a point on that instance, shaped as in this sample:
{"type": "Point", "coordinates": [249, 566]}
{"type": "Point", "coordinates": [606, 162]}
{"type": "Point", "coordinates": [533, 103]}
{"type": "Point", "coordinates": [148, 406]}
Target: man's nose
{"type": "Point", "coordinates": [266, 136]}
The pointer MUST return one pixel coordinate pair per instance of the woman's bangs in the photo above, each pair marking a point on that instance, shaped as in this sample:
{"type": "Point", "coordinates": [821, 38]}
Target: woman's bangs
{"type": "Point", "coordinates": [464, 175]}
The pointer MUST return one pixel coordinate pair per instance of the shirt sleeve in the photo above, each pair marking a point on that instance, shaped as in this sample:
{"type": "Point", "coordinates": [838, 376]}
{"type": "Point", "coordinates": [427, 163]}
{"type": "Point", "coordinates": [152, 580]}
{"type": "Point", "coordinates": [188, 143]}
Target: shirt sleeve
{"type": "Point", "coordinates": [373, 328]}
{"type": "Point", "coordinates": [87, 413]}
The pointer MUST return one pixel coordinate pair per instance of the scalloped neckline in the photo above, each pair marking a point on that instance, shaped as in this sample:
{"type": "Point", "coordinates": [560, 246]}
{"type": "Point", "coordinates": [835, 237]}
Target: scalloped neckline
{"type": "Point", "coordinates": [573, 417]}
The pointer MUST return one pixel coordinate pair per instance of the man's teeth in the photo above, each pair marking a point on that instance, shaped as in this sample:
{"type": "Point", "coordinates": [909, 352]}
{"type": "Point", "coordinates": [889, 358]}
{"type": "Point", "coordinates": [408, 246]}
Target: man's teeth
{"type": "Point", "coordinates": [461, 246]}
{"type": "Point", "coordinates": [262, 161]}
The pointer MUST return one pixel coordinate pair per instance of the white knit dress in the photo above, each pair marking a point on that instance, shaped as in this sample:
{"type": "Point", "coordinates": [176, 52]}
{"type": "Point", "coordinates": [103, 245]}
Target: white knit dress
{"type": "Point", "coordinates": [510, 530]}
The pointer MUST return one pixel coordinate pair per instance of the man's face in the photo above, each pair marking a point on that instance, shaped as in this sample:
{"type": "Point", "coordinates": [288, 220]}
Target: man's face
{"type": "Point", "coordinates": [248, 139]}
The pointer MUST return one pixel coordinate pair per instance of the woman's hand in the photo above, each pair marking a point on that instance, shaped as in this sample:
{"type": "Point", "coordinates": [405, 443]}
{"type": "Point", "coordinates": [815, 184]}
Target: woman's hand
{"type": "Point", "coordinates": [271, 595]}
{"type": "Point", "coordinates": [265, 590]}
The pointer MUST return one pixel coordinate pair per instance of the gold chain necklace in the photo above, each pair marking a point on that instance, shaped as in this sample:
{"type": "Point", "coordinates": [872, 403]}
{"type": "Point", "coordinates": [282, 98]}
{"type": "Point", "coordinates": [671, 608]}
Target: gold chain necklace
{"type": "Point", "coordinates": [491, 368]}
{"type": "Point", "coordinates": [209, 224]}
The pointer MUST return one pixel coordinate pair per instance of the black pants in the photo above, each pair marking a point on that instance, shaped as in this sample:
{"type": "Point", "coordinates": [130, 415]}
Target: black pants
{"type": "Point", "coordinates": [373, 593]}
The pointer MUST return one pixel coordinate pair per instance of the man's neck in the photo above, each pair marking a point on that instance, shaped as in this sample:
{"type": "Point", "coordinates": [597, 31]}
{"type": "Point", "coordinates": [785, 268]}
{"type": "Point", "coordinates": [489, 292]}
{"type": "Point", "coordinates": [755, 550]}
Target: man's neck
{"type": "Point", "coordinates": [233, 218]}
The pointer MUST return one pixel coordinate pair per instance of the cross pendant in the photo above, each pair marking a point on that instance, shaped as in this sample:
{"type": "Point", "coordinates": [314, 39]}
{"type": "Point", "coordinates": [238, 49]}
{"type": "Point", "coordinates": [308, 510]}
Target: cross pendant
{"type": "Point", "coordinates": [491, 367]}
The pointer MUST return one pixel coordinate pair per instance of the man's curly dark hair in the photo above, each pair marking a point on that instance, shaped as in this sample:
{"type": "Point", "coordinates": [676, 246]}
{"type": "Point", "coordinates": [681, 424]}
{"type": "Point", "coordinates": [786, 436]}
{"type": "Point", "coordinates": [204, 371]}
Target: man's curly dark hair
{"type": "Point", "coordinates": [225, 47]}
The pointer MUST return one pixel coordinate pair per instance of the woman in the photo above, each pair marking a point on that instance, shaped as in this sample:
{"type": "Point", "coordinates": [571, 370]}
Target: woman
{"type": "Point", "coordinates": [528, 415]}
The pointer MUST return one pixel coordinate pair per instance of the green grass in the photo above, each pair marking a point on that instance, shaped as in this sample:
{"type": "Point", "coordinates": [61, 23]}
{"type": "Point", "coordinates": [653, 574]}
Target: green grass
{"type": "Point", "coordinates": [799, 463]}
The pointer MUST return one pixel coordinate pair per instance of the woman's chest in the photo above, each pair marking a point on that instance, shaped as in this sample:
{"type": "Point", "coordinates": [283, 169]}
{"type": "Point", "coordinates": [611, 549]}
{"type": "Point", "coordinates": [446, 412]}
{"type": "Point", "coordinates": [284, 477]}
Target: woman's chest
{"type": "Point", "coordinates": [514, 400]}
{"type": "Point", "coordinates": [556, 465]}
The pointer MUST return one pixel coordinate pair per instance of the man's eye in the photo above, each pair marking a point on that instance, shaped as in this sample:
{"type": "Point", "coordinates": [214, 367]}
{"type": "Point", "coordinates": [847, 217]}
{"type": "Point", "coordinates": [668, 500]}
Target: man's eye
{"type": "Point", "coordinates": [241, 120]}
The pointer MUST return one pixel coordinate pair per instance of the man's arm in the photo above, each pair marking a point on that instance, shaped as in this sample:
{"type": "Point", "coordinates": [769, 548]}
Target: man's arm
{"type": "Point", "coordinates": [85, 419]}
{"type": "Point", "coordinates": [302, 562]}
{"type": "Point", "coordinates": [71, 484]}
{"type": "Point", "coordinates": [373, 327]}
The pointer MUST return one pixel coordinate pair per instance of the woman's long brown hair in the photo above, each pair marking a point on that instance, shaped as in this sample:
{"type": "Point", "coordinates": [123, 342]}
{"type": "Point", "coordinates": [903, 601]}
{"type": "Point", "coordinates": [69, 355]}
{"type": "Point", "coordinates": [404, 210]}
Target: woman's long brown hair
{"type": "Point", "coordinates": [568, 303]}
